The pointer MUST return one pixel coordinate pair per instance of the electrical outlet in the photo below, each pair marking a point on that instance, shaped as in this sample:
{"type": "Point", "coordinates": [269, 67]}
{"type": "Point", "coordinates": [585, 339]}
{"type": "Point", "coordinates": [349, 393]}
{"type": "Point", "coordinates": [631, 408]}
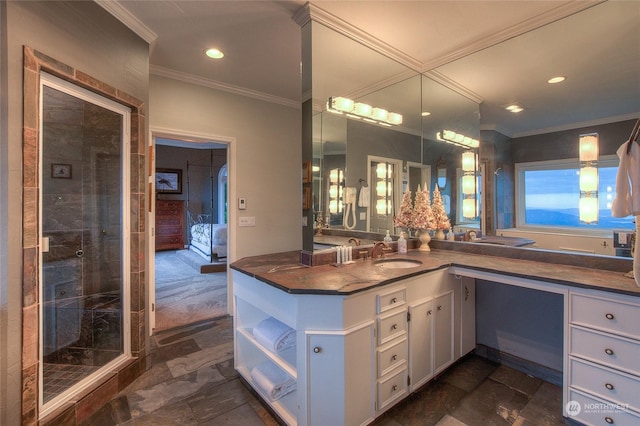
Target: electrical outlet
{"type": "Point", "coordinates": [247, 221]}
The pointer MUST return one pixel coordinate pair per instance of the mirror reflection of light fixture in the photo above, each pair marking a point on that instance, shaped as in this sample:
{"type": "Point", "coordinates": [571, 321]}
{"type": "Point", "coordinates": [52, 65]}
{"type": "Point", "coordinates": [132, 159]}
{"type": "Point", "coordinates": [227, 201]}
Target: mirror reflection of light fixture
{"type": "Point", "coordinates": [452, 137]}
{"type": "Point", "coordinates": [360, 110]}
{"type": "Point", "coordinates": [336, 176]}
{"type": "Point", "coordinates": [588, 156]}
{"type": "Point", "coordinates": [384, 174]}
{"type": "Point", "coordinates": [469, 166]}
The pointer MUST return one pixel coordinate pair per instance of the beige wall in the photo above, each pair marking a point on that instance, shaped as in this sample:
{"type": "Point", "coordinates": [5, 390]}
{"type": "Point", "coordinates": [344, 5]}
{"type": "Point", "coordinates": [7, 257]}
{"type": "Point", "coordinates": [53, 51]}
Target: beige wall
{"type": "Point", "coordinates": [88, 38]}
{"type": "Point", "coordinates": [266, 170]}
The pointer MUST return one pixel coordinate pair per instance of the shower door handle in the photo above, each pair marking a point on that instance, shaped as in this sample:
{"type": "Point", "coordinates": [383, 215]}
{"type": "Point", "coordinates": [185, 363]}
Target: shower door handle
{"type": "Point", "coordinates": [79, 253]}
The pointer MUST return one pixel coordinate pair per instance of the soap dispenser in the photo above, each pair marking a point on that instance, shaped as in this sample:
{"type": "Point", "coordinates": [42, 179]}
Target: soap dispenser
{"type": "Point", "coordinates": [387, 238]}
{"type": "Point", "coordinates": [402, 244]}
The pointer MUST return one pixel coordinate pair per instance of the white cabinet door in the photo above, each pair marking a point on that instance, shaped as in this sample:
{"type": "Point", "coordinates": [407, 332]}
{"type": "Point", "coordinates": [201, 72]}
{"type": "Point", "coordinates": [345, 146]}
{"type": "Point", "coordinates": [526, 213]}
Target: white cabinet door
{"type": "Point", "coordinates": [467, 315]}
{"type": "Point", "coordinates": [443, 331]}
{"type": "Point", "coordinates": [420, 343]}
{"type": "Point", "coordinates": [341, 376]}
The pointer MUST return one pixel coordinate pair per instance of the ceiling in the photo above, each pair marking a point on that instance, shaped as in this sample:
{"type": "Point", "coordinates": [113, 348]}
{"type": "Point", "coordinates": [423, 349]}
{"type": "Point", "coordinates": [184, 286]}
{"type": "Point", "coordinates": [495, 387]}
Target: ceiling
{"type": "Point", "coordinates": [496, 52]}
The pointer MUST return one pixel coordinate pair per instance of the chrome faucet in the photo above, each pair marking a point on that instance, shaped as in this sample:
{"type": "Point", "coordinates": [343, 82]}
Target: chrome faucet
{"type": "Point", "coordinates": [379, 248]}
{"type": "Point", "coordinates": [354, 240]}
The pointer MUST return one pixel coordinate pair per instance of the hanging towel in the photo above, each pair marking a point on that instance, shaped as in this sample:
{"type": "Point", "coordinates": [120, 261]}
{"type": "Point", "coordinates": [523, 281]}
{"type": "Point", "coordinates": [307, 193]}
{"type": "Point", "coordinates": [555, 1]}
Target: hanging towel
{"type": "Point", "coordinates": [274, 382]}
{"type": "Point", "coordinates": [627, 201]}
{"type": "Point", "coordinates": [275, 335]}
{"type": "Point", "coordinates": [364, 197]}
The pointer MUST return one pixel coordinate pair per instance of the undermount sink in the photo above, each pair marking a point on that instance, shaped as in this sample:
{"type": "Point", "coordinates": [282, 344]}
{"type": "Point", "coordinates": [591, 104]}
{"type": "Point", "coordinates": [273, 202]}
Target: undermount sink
{"type": "Point", "coordinates": [497, 243]}
{"type": "Point", "coordinates": [398, 263]}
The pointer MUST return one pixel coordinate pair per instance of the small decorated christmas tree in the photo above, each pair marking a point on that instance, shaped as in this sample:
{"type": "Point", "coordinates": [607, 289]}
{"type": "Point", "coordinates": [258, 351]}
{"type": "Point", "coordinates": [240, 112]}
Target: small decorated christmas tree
{"type": "Point", "coordinates": [404, 217]}
{"type": "Point", "coordinates": [422, 214]}
{"type": "Point", "coordinates": [439, 214]}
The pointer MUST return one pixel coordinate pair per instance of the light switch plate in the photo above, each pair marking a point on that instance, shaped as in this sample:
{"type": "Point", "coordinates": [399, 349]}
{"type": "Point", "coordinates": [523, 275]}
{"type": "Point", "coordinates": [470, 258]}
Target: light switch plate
{"type": "Point", "coordinates": [242, 203]}
{"type": "Point", "coordinates": [247, 221]}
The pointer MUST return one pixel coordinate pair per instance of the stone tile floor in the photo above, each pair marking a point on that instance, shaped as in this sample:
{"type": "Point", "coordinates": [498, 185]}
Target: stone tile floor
{"type": "Point", "coordinates": [192, 381]}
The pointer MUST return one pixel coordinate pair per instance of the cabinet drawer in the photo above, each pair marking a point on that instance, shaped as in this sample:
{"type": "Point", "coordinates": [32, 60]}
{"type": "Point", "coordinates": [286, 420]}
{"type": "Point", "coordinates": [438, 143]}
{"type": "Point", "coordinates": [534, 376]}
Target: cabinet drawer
{"type": "Point", "coordinates": [616, 352]}
{"type": "Point", "coordinates": [392, 357]}
{"type": "Point", "coordinates": [168, 230]}
{"type": "Point", "coordinates": [168, 221]}
{"type": "Point", "coordinates": [608, 315]}
{"type": "Point", "coordinates": [391, 300]}
{"type": "Point", "coordinates": [599, 412]}
{"type": "Point", "coordinates": [392, 389]}
{"type": "Point", "coordinates": [169, 240]}
{"type": "Point", "coordinates": [391, 326]}
{"type": "Point", "coordinates": [605, 383]}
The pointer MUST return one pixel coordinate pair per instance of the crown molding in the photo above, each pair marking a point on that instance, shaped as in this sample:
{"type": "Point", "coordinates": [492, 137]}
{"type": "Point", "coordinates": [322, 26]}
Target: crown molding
{"type": "Point", "coordinates": [562, 11]}
{"type": "Point", "coordinates": [453, 85]}
{"type": "Point", "coordinates": [212, 84]}
{"type": "Point", "coordinates": [579, 125]}
{"type": "Point", "coordinates": [123, 15]}
{"type": "Point", "coordinates": [311, 12]}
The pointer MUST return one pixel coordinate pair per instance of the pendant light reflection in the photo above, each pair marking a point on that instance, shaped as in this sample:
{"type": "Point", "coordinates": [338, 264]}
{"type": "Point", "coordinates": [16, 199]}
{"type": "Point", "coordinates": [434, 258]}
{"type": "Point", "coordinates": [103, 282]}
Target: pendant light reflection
{"type": "Point", "coordinates": [469, 166]}
{"type": "Point", "coordinates": [384, 200]}
{"type": "Point", "coordinates": [588, 156]}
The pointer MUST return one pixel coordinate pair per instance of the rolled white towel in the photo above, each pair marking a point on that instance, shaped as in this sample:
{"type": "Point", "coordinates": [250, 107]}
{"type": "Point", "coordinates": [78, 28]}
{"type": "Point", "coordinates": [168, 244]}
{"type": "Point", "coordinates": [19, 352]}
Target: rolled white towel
{"type": "Point", "coordinates": [275, 335]}
{"type": "Point", "coordinates": [274, 382]}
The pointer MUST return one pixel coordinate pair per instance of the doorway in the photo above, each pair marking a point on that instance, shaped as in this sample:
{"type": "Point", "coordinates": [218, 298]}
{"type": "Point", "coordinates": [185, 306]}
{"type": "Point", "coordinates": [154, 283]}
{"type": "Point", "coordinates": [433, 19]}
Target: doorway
{"type": "Point", "coordinates": [190, 278]}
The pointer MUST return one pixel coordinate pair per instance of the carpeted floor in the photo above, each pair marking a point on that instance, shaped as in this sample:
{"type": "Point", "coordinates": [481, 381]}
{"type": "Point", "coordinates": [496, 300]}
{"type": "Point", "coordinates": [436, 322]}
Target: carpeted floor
{"type": "Point", "coordinates": [183, 294]}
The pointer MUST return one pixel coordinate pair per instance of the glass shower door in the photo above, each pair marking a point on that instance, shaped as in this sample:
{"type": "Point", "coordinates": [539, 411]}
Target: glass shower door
{"type": "Point", "coordinates": [83, 258]}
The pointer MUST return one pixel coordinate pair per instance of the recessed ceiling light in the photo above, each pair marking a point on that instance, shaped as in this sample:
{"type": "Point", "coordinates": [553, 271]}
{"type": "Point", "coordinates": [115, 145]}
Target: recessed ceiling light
{"type": "Point", "coordinates": [214, 53]}
{"type": "Point", "coordinates": [558, 79]}
{"type": "Point", "coordinates": [514, 108]}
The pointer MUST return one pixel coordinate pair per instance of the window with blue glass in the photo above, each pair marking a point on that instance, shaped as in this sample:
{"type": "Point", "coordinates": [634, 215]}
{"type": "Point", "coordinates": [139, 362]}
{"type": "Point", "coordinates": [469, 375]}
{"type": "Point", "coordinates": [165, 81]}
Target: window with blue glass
{"type": "Point", "coordinates": [549, 194]}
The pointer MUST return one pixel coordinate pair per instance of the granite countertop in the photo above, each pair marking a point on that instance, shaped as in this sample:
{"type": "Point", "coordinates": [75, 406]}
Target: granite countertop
{"type": "Point", "coordinates": [284, 271]}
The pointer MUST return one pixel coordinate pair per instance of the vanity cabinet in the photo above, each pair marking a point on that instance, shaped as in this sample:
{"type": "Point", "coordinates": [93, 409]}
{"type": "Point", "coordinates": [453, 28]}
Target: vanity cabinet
{"type": "Point", "coordinates": [356, 355]}
{"type": "Point", "coordinates": [604, 358]}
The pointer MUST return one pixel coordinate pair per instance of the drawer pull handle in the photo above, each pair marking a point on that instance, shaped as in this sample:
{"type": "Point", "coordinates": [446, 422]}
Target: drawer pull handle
{"type": "Point", "coordinates": [394, 357]}
{"type": "Point", "coordinates": [395, 388]}
{"type": "Point", "coordinates": [440, 307]}
{"type": "Point", "coordinates": [317, 349]}
{"type": "Point", "coordinates": [609, 386]}
{"type": "Point", "coordinates": [609, 420]}
{"type": "Point", "coordinates": [608, 351]}
{"type": "Point", "coordinates": [394, 327]}
{"type": "Point", "coordinates": [429, 312]}
{"type": "Point", "coordinates": [394, 300]}
{"type": "Point", "coordinates": [609, 316]}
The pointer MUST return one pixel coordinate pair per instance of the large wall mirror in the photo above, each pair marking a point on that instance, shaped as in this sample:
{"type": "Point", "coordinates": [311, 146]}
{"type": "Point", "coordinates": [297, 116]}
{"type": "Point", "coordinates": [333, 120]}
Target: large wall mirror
{"type": "Point", "coordinates": [345, 150]}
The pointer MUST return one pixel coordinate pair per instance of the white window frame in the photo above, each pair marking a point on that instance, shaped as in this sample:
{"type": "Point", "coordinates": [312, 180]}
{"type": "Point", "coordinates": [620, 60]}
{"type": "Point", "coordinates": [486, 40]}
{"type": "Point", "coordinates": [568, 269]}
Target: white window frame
{"type": "Point", "coordinates": [521, 168]}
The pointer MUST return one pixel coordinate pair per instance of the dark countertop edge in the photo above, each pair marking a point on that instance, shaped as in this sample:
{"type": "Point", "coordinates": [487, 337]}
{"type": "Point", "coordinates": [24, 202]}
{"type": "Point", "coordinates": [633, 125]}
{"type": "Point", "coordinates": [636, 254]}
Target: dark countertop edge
{"type": "Point", "coordinates": [550, 280]}
{"type": "Point", "coordinates": [382, 283]}
{"type": "Point", "coordinates": [388, 281]}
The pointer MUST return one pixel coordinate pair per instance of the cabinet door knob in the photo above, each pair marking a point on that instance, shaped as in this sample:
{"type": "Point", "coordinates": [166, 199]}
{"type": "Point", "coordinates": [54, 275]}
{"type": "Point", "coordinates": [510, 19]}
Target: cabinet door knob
{"type": "Point", "coordinates": [440, 307]}
{"type": "Point", "coordinates": [394, 300]}
{"type": "Point", "coordinates": [609, 386]}
{"type": "Point", "coordinates": [317, 349]}
{"type": "Point", "coordinates": [466, 293]}
{"type": "Point", "coordinates": [609, 316]}
{"type": "Point", "coordinates": [429, 312]}
{"type": "Point", "coordinates": [394, 327]}
{"type": "Point", "coordinates": [394, 357]}
{"type": "Point", "coordinates": [608, 351]}
{"type": "Point", "coordinates": [609, 420]}
{"type": "Point", "coordinates": [395, 388]}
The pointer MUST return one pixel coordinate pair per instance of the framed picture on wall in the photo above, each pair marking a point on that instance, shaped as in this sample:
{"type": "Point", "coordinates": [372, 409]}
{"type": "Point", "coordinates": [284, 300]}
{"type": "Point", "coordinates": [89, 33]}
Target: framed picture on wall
{"type": "Point", "coordinates": [61, 171]}
{"type": "Point", "coordinates": [169, 181]}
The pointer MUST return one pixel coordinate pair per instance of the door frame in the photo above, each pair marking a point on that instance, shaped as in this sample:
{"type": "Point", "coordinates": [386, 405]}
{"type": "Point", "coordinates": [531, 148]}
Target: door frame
{"type": "Point", "coordinates": [195, 137]}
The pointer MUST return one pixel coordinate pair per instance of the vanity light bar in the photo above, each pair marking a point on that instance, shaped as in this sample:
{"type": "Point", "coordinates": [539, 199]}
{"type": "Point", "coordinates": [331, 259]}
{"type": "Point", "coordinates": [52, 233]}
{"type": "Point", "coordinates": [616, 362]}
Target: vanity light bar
{"type": "Point", "coordinates": [359, 110]}
{"type": "Point", "coordinates": [450, 136]}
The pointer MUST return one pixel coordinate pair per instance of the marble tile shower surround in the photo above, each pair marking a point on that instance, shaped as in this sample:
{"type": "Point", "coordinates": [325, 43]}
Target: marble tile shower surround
{"type": "Point", "coordinates": [82, 406]}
